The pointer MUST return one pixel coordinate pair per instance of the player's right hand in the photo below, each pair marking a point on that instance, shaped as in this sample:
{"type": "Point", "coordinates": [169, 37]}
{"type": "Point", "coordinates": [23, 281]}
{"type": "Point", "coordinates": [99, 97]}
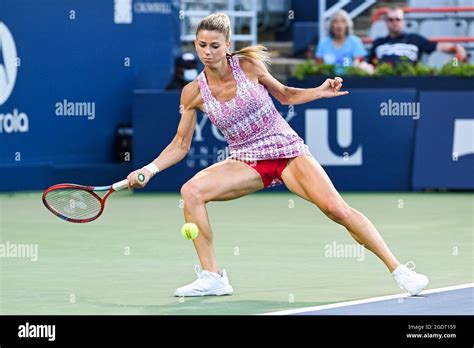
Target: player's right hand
{"type": "Point", "coordinates": [133, 181]}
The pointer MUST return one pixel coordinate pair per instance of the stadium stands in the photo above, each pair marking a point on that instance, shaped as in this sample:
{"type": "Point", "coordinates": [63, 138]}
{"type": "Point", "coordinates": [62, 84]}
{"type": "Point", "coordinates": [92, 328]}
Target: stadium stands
{"type": "Point", "coordinates": [449, 19]}
{"type": "Point", "coordinates": [448, 28]}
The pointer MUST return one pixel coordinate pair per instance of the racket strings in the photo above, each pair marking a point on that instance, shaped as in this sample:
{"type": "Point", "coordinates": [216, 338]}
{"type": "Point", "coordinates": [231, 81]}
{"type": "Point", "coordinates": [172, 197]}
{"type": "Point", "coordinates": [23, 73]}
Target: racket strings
{"type": "Point", "coordinates": [74, 203]}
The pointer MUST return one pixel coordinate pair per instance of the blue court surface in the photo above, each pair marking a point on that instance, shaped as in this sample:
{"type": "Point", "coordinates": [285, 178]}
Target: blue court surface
{"type": "Point", "coordinates": [453, 300]}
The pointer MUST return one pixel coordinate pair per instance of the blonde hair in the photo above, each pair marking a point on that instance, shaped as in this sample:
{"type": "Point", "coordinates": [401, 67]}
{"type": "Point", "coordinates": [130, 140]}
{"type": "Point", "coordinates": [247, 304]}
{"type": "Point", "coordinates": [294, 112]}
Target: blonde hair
{"type": "Point", "coordinates": [220, 22]}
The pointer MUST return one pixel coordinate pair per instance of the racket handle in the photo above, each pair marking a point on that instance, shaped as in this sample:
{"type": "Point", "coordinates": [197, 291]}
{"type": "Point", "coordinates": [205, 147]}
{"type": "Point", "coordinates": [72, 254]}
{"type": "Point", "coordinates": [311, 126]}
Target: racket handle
{"type": "Point", "coordinates": [120, 185]}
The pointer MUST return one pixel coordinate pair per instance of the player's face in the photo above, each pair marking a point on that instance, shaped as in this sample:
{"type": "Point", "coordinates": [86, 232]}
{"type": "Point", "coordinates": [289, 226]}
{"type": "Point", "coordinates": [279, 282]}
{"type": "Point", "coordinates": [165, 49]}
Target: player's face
{"type": "Point", "coordinates": [211, 47]}
{"type": "Point", "coordinates": [395, 22]}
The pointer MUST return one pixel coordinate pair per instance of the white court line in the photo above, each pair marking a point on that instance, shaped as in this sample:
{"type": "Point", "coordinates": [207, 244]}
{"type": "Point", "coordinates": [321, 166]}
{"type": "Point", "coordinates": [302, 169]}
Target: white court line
{"type": "Point", "coordinates": [367, 300]}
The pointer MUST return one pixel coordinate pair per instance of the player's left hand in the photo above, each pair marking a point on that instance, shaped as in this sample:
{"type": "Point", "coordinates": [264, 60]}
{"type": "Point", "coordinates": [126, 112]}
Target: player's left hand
{"type": "Point", "coordinates": [133, 180]}
{"type": "Point", "coordinates": [331, 88]}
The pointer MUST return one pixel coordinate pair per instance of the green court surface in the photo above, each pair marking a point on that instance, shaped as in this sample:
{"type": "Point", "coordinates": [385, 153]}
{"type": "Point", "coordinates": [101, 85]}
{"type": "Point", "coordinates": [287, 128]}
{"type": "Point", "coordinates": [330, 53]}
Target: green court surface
{"type": "Point", "coordinates": [275, 246]}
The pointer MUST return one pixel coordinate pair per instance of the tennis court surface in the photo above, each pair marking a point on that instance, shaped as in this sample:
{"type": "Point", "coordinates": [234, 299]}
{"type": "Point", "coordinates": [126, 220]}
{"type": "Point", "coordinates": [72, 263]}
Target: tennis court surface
{"type": "Point", "coordinates": [453, 300]}
{"type": "Point", "coordinates": [280, 252]}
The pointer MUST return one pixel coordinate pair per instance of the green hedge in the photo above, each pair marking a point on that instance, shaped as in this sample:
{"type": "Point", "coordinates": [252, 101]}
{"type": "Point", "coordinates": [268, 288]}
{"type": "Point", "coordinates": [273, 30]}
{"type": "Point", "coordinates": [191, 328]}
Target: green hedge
{"type": "Point", "coordinates": [405, 68]}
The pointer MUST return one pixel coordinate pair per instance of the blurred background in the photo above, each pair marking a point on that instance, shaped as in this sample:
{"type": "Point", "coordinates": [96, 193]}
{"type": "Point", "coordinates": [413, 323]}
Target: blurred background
{"type": "Point", "coordinates": [90, 90]}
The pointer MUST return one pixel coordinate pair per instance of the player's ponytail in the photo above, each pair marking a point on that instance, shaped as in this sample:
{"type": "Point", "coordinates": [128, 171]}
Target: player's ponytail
{"type": "Point", "coordinates": [258, 52]}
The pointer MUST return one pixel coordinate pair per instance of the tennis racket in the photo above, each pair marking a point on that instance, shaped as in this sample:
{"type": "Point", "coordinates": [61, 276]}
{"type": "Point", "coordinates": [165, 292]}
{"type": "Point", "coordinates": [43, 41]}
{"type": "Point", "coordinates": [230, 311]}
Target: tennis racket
{"type": "Point", "coordinates": [80, 204]}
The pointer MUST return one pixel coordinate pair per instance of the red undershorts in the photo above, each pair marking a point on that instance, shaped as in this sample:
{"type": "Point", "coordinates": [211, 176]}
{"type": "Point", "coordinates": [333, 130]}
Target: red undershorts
{"type": "Point", "coordinates": [270, 170]}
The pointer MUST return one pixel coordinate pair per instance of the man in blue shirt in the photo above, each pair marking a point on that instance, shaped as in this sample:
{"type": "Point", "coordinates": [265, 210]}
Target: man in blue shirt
{"type": "Point", "coordinates": [397, 44]}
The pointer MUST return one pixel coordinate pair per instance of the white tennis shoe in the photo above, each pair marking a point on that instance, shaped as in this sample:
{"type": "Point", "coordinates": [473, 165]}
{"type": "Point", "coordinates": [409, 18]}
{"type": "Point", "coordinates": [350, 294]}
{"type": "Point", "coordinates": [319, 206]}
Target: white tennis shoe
{"type": "Point", "coordinates": [408, 279]}
{"type": "Point", "coordinates": [207, 284]}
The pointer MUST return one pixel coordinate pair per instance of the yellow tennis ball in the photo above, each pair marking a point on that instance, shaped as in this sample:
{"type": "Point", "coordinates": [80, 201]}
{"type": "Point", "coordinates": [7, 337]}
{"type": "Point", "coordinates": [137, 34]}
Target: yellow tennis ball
{"type": "Point", "coordinates": [189, 230]}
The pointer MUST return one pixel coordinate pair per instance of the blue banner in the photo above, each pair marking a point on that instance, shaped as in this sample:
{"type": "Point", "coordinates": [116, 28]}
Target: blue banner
{"type": "Point", "coordinates": [364, 140]}
{"type": "Point", "coordinates": [444, 152]}
{"type": "Point", "coordinates": [67, 69]}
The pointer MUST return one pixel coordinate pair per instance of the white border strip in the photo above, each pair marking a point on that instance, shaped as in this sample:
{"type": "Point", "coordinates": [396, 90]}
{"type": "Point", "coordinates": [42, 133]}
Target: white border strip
{"type": "Point", "coordinates": [368, 300]}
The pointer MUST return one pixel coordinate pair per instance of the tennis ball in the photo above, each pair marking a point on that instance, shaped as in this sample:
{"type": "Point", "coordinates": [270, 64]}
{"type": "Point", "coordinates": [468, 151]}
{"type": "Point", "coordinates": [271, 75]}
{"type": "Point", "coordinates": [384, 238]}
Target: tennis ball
{"type": "Point", "coordinates": [189, 231]}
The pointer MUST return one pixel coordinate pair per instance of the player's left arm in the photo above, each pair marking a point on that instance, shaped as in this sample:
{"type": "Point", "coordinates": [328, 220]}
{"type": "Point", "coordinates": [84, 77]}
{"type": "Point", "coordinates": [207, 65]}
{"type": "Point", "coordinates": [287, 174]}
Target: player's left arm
{"type": "Point", "coordinates": [257, 70]}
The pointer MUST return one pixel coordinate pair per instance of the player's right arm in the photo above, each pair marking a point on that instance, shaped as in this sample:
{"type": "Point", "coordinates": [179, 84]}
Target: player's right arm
{"type": "Point", "coordinates": [179, 147]}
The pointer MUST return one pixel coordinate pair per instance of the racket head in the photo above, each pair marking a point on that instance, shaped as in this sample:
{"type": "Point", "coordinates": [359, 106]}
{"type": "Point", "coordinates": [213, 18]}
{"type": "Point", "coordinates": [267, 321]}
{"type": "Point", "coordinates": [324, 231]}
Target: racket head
{"type": "Point", "coordinates": [73, 203]}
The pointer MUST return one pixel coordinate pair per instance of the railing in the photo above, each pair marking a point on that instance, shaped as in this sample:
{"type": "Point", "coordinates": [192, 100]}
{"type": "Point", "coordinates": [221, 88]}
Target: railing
{"type": "Point", "coordinates": [382, 10]}
{"type": "Point", "coordinates": [190, 15]}
{"type": "Point", "coordinates": [325, 14]}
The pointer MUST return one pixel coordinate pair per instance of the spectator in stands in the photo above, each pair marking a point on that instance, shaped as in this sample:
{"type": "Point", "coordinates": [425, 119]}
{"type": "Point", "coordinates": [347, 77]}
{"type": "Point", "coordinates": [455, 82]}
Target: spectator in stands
{"type": "Point", "coordinates": [185, 70]}
{"type": "Point", "coordinates": [341, 47]}
{"type": "Point", "coordinates": [400, 44]}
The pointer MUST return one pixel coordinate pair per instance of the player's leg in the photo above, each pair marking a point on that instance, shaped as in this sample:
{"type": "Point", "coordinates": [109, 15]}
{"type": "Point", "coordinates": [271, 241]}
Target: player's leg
{"type": "Point", "coordinates": [305, 177]}
{"type": "Point", "coordinates": [222, 181]}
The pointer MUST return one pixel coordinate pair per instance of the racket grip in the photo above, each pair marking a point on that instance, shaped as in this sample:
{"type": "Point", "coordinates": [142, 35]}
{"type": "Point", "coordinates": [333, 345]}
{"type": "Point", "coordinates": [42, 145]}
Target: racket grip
{"type": "Point", "coordinates": [120, 185]}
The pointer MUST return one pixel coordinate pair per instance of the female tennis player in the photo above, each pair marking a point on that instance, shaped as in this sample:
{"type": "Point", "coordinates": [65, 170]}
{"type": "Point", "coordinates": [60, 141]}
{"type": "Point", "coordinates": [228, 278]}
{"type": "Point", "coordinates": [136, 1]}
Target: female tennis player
{"type": "Point", "coordinates": [265, 151]}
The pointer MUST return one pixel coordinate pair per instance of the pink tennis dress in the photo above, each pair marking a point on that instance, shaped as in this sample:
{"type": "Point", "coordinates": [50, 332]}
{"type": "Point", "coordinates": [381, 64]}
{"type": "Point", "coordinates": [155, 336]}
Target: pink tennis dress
{"type": "Point", "coordinates": [250, 123]}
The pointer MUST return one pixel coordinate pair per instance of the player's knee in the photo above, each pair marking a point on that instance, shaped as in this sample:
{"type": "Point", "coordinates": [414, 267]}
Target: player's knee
{"type": "Point", "coordinates": [190, 192]}
{"type": "Point", "coordinates": [337, 210]}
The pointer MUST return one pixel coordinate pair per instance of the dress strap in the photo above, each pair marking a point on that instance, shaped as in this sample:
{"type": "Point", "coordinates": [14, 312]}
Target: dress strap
{"type": "Point", "coordinates": [239, 74]}
{"type": "Point", "coordinates": [204, 87]}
